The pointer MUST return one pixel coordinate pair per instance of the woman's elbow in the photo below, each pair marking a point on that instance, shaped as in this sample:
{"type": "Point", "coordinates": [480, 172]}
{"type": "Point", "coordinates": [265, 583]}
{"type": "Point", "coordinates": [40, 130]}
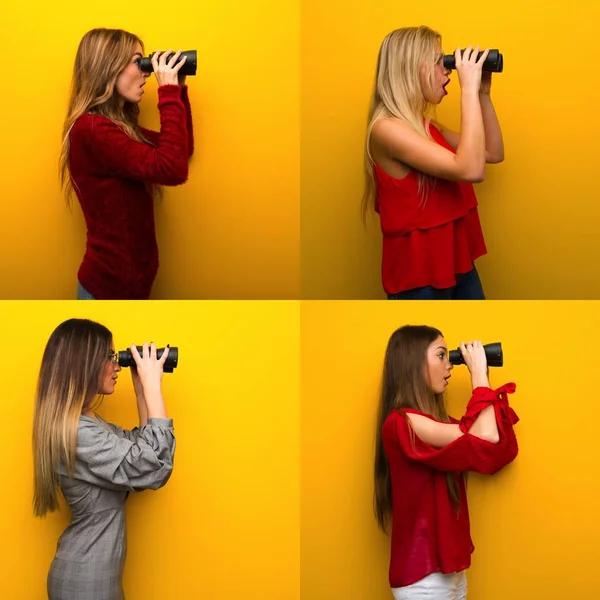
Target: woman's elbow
{"type": "Point", "coordinates": [473, 174]}
{"type": "Point", "coordinates": [493, 437]}
{"type": "Point", "coordinates": [177, 176]}
{"type": "Point", "coordinates": [161, 478]}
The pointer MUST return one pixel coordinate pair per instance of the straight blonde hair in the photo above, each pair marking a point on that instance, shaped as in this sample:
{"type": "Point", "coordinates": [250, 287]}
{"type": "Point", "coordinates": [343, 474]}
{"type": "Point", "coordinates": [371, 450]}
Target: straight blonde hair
{"type": "Point", "coordinates": [72, 367]}
{"type": "Point", "coordinates": [101, 56]}
{"type": "Point", "coordinates": [398, 92]}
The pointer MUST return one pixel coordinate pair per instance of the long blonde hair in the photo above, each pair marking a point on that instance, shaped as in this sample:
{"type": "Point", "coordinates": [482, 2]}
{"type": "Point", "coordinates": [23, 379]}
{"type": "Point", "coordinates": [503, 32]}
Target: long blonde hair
{"type": "Point", "coordinates": [398, 92]}
{"type": "Point", "coordinates": [101, 56]}
{"type": "Point", "coordinates": [72, 367]}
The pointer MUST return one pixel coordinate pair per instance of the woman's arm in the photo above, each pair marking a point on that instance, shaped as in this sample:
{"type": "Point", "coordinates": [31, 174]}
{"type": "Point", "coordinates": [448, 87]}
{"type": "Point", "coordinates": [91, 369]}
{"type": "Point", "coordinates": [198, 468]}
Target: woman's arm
{"type": "Point", "coordinates": [189, 122]}
{"type": "Point", "coordinates": [116, 154]}
{"type": "Point", "coordinates": [154, 136]}
{"type": "Point", "coordinates": [494, 144]}
{"type": "Point", "coordinates": [396, 139]}
{"type": "Point", "coordinates": [139, 396]}
{"type": "Point", "coordinates": [467, 452]}
{"type": "Point", "coordinates": [438, 435]}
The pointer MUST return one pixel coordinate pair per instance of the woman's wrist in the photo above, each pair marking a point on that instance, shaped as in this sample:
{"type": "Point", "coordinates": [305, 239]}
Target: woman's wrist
{"type": "Point", "coordinates": [480, 380]}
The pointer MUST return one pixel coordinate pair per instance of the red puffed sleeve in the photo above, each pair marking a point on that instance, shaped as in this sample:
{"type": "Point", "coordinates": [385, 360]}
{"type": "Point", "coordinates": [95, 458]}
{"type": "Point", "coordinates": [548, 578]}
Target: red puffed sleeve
{"type": "Point", "coordinates": [468, 452]}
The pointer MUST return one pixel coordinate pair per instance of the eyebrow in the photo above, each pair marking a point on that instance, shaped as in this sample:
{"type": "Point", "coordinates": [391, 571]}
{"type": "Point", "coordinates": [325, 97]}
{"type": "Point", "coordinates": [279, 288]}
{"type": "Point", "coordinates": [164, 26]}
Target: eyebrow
{"type": "Point", "coordinates": [441, 348]}
{"type": "Point", "coordinates": [138, 54]}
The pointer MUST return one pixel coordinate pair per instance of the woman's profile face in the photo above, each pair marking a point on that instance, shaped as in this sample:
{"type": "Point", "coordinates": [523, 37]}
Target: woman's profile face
{"type": "Point", "coordinates": [109, 376]}
{"type": "Point", "coordinates": [438, 365]}
{"type": "Point", "coordinates": [435, 92]}
{"type": "Point", "coordinates": [131, 79]}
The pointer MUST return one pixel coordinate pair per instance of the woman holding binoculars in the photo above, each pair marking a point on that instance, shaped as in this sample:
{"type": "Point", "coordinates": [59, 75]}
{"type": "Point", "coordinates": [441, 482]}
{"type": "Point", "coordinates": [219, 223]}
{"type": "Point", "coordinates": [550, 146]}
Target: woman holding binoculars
{"type": "Point", "coordinates": [420, 175]}
{"type": "Point", "coordinates": [422, 455]}
{"type": "Point", "coordinates": [95, 464]}
{"type": "Point", "coordinates": [116, 167]}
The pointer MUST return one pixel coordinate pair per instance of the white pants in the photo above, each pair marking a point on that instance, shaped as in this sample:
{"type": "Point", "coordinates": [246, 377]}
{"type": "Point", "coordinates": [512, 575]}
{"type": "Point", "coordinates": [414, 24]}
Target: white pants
{"type": "Point", "coordinates": [435, 587]}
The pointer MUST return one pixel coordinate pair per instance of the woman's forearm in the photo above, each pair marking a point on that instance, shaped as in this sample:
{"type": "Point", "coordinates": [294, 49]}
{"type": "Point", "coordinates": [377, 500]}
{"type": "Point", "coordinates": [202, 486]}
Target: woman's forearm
{"type": "Point", "coordinates": [470, 153]}
{"type": "Point", "coordinates": [494, 145]}
{"type": "Point", "coordinates": [155, 404]}
{"type": "Point", "coordinates": [142, 410]}
{"type": "Point", "coordinates": [485, 425]}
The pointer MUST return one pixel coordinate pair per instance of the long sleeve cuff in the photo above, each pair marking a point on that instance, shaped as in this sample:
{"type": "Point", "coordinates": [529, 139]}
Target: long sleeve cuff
{"type": "Point", "coordinates": [483, 397]}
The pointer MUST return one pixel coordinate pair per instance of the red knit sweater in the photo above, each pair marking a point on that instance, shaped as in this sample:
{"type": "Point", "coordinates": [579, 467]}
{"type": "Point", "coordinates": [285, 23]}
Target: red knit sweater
{"type": "Point", "coordinates": [427, 536]}
{"type": "Point", "coordinates": [110, 172]}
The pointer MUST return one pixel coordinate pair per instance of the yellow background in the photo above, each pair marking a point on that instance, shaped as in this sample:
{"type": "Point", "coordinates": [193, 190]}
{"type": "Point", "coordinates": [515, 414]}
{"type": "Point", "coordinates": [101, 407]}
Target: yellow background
{"type": "Point", "coordinates": [535, 524]}
{"type": "Point", "coordinates": [232, 231]}
{"type": "Point", "coordinates": [539, 208]}
{"type": "Point", "coordinates": [226, 525]}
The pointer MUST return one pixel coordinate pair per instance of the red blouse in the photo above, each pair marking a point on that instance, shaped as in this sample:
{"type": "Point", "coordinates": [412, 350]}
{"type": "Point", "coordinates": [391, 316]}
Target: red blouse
{"type": "Point", "coordinates": [110, 171]}
{"type": "Point", "coordinates": [427, 243]}
{"type": "Point", "coordinates": [427, 536]}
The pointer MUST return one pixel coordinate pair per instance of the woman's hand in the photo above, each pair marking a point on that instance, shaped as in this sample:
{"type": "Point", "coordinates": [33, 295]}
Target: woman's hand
{"type": "Point", "coordinates": [476, 361]}
{"type": "Point", "coordinates": [167, 73]}
{"type": "Point", "coordinates": [149, 369]}
{"type": "Point", "coordinates": [469, 68]}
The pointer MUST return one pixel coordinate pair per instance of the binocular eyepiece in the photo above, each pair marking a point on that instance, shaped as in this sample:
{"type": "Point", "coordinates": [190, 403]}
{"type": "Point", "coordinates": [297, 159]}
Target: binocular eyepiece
{"type": "Point", "coordinates": [188, 68]}
{"type": "Point", "coordinates": [493, 354]}
{"type": "Point", "coordinates": [125, 358]}
{"type": "Point", "coordinates": [493, 63]}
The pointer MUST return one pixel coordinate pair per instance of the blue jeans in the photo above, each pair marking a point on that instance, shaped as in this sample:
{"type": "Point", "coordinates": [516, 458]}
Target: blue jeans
{"type": "Point", "coordinates": [82, 293]}
{"type": "Point", "coordinates": [468, 287]}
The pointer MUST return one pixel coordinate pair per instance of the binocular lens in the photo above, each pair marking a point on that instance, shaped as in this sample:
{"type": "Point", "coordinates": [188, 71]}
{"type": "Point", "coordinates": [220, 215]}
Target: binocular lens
{"type": "Point", "coordinates": [493, 63]}
{"type": "Point", "coordinates": [493, 354]}
{"type": "Point", "coordinates": [188, 68]}
{"type": "Point", "coordinates": [125, 358]}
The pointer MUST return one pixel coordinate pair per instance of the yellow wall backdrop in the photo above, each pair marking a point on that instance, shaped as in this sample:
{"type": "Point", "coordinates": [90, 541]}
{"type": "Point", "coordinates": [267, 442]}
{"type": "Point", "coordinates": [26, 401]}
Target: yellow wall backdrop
{"type": "Point", "coordinates": [226, 525]}
{"type": "Point", "coordinates": [232, 231]}
{"type": "Point", "coordinates": [534, 524]}
{"type": "Point", "coordinates": [538, 208]}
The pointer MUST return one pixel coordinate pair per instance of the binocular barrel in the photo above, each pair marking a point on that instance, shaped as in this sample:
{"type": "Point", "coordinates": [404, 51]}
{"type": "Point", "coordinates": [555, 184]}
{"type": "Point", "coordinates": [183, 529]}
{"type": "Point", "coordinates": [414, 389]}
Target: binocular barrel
{"type": "Point", "coordinates": [188, 68]}
{"type": "Point", "coordinates": [493, 354]}
{"type": "Point", "coordinates": [494, 61]}
{"type": "Point", "coordinates": [125, 358]}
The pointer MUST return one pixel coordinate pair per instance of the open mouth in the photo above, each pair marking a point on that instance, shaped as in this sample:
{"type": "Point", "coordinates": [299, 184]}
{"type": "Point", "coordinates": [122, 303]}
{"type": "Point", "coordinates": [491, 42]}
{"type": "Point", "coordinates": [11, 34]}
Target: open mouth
{"type": "Point", "coordinates": [445, 85]}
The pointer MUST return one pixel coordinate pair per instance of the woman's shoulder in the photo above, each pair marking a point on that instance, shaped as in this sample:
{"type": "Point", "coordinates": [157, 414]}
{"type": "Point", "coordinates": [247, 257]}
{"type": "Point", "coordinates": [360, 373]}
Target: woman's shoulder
{"type": "Point", "coordinates": [401, 414]}
{"type": "Point", "coordinates": [93, 426]}
{"type": "Point", "coordinates": [89, 122]}
{"type": "Point", "coordinates": [386, 126]}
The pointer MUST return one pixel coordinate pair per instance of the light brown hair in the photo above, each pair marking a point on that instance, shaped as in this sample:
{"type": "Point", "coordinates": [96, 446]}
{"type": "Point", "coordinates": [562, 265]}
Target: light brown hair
{"type": "Point", "coordinates": [405, 385]}
{"type": "Point", "coordinates": [101, 56]}
{"type": "Point", "coordinates": [72, 366]}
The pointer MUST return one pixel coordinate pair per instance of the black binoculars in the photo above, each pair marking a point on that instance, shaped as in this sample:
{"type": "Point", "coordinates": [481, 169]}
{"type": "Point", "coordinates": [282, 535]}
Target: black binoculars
{"type": "Point", "coordinates": [493, 354]}
{"type": "Point", "coordinates": [494, 61]}
{"type": "Point", "coordinates": [188, 68]}
{"type": "Point", "coordinates": [125, 358]}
